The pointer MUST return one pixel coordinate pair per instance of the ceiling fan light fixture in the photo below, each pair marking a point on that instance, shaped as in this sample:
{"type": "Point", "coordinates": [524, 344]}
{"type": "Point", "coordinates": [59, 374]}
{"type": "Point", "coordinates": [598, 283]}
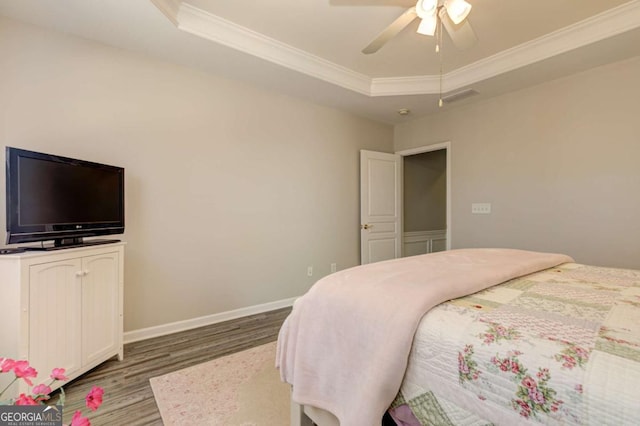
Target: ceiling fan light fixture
{"type": "Point", "coordinates": [428, 26]}
{"type": "Point", "coordinates": [457, 10]}
{"type": "Point", "coordinates": [426, 8]}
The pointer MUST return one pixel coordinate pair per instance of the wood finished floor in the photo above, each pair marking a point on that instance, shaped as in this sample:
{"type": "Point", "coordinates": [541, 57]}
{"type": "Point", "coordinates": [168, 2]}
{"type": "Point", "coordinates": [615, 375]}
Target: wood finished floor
{"type": "Point", "coordinates": [128, 399]}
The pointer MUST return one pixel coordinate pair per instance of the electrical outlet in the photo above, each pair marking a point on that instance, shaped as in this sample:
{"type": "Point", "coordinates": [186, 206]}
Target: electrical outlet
{"type": "Point", "coordinates": [481, 208]}
{"type": "Point", "coordinates": [310, 271]}
{"type": "Point", "coordinates": [333, 267]}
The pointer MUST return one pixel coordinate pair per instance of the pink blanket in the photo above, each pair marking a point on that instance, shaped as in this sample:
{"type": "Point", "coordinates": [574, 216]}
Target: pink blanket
{"type": "Point", "coordinates": [345, 345]}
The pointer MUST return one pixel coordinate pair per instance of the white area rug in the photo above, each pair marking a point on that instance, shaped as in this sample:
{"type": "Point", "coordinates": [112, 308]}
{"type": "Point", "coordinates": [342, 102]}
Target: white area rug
{"type": "Point", "coordinates": [239, 389]}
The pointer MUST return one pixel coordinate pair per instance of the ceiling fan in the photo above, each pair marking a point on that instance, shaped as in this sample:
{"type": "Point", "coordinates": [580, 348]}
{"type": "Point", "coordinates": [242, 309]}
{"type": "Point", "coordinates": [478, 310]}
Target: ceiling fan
{"type": "Point", "coordinates": [451, 14]}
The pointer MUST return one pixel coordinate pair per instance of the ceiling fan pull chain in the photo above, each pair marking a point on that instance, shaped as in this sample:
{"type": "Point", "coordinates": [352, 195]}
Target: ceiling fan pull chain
{"type": "Point", "coordinates": [438, 34]}
{"type": "Point", "coordinates": [438, 42]}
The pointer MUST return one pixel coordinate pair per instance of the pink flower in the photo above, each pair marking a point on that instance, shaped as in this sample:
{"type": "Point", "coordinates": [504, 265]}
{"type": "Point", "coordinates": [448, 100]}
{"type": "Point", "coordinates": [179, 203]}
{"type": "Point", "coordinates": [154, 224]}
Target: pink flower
{"type": "Point", "coordinates": [525, 410]}
{"type": "Point", "coordinates": [24, 371]}
{"type": "Point", "coordinates": [58, 374]}
{"type": "Point", "coordinates": [42, 391]}
{"type": "Point", "coordinates": [543, 374]}
{"type": "Point", "coordinates": [556, 405]}
{"type": "Point", "coordinates": [582, 353]}
{"type": "Point", "coordinates": [529, 383]}
{"type": "Point", "coordinates": [536, 396]}
{"type": "Point", "coordinates": [94, 398]}
{"type": "Point", "coordinates": [578, 388]}
{"type": "Point", "coordinates": [569, 362]}
{"type": "Point", "coordinates": [25, 400]}
{"type": "Point", "coordinates": [462, 365]}
{"type": "Point", "coordinates": [6, 364]}
{"type": "Point", "coordinates": [515, 368]}
{"type": "Point", "coordinates": [78, 420]}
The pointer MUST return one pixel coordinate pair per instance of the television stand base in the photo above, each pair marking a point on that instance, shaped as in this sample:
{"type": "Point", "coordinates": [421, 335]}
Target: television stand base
{"type": "Point", "coordinates": [85, 243]}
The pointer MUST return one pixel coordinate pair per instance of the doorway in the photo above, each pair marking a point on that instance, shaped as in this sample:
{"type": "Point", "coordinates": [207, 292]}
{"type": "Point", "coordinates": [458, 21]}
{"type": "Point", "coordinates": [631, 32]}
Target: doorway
{"type": "Point", "coordinates": [424, 198]}
{"type": "Point", "coordinates": [382, 208]}
{"type": "Point", "coordinates": [426, 224]}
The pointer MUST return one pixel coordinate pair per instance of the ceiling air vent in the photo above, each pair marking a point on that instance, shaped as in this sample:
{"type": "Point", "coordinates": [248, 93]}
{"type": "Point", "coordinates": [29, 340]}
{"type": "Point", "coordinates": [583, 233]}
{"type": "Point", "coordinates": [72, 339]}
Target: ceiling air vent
{"type": "Point", "coordinates": [453, 97]}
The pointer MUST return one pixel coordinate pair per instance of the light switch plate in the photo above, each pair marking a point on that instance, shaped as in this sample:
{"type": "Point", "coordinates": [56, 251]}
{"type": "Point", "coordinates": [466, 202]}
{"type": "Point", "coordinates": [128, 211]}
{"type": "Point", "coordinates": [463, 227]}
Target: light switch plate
{"type": "Point", "coordinates": [481, 208]}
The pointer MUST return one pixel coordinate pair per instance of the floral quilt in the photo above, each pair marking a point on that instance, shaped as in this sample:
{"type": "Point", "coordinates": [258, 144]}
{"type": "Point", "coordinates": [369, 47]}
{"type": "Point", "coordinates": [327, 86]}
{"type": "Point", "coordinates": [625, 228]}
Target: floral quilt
{"type": "Point", "coordinates": [560, 346]}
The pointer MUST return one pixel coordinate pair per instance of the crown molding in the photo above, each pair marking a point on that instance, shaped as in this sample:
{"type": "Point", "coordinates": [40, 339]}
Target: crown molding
{"type": "Point", "coordinates": [607, 24]}
{"type": "Point", "coordinates": [214, 28]}
{"type": "Point", "coordinates": [169, 8]}
{"type": "Point", "coordinates": [412, 85]}
{"type": "Point", "coordinates": [204, 24]}
{"type": "Point", "coordinates": [615, 21]}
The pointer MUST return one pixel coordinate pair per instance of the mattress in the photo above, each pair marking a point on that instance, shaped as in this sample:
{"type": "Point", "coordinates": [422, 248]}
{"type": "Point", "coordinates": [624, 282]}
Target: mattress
{"type": "Point", "coordinates": [560, 346]}
{"type": "Point", "coordinates": [346, 344]}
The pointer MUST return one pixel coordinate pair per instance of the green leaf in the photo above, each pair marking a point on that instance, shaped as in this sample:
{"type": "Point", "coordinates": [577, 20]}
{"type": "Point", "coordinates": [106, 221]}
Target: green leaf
{"type": "Point", "coordinates": [62, 397]}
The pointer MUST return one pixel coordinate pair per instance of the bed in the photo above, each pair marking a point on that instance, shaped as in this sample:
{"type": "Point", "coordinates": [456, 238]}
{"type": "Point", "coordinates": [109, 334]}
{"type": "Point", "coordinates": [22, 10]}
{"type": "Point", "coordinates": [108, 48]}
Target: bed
{"type": "Point", "coordinates": [466, 337]}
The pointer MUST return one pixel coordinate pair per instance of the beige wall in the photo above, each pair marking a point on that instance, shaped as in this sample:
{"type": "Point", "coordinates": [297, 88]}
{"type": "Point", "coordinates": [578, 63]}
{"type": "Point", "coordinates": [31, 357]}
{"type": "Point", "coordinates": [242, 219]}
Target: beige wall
{"type": "Point", "coordinates": [559, 162]}
{"type": "Point", "coordinates": [231, 191]}
{"type": "Point", "coordinates": [425, 191]}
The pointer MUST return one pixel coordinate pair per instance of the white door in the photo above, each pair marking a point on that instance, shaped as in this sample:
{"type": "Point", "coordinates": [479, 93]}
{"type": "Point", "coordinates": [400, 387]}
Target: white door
{"type": "Point", "coordinates": [55, 323]}
{"type": "Point", "coordinates": [100, 308]}
{"type": "Point", "coordinates": [380, 206]}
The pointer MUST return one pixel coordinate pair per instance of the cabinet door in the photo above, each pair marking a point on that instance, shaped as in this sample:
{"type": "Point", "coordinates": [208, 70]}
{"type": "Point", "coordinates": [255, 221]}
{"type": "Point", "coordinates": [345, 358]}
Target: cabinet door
{"type": "Point", "coordinates": [100, 307]}
{"type": "Point", "coordinates": [55, 326]}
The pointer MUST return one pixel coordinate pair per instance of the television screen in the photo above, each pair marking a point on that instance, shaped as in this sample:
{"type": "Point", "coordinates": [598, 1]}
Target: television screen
{"type": "Point", "coordinates": [57, 198]}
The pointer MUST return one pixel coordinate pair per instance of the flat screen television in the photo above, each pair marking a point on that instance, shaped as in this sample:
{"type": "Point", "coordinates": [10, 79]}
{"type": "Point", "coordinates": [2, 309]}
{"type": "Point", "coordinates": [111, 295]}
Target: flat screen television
{"type": "Point", "coordinates": [49, 197]}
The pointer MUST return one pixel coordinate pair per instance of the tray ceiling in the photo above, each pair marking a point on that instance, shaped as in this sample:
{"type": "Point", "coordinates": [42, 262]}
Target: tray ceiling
{"type": "Point", "coordinates": [312, 48]}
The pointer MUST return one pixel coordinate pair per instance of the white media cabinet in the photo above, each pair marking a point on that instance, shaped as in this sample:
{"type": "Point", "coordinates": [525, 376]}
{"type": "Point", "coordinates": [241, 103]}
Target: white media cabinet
{"type": "Point", "coordinates": [61, 308]}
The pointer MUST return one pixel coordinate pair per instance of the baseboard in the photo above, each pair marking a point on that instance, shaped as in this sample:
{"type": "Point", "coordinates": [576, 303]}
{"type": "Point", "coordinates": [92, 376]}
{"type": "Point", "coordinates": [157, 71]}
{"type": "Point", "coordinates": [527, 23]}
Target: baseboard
{"type": "Point", "coordinates": [174, 327]}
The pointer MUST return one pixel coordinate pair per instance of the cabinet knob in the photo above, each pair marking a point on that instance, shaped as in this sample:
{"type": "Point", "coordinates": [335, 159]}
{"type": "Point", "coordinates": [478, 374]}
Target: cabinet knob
{"type": "Point", "coordinates": [78, 273]}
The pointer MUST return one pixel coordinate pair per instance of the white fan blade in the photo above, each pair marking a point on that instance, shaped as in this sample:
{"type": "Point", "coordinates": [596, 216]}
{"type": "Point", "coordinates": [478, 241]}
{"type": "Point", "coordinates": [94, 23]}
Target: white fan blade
{"type": "Point", "coordinates": [391, 31]}
{"type": "Point", "coordinates": [462, 35]}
